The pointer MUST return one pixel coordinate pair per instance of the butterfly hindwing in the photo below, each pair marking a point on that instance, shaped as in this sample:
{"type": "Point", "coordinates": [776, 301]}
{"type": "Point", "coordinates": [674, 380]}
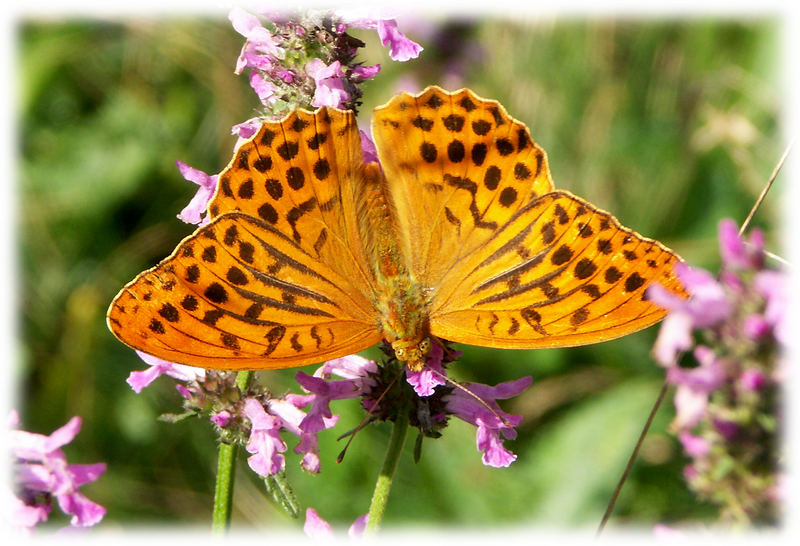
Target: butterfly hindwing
{"type": "Point", "coordinates": [239, 294]}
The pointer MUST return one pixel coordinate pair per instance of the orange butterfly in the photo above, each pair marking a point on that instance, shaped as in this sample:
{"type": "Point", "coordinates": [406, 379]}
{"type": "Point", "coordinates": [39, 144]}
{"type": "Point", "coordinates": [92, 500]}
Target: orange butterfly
{"type": "Point", "coordinates": [458, 234]}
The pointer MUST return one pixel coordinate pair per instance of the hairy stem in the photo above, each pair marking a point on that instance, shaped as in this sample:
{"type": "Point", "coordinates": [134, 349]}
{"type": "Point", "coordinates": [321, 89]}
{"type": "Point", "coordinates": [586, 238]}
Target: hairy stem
{"type": "Point", "coordinates": [384, 484]}
{"type": "Point", "coordinates": [226, 470]}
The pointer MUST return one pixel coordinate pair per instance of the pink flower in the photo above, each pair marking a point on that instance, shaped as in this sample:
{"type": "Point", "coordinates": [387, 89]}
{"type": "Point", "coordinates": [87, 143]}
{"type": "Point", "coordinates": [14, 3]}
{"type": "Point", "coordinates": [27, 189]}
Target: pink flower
{"type": "Point", "coordinates": [431, 376]}
{"type": "Point", "coordinates": [221, 418]}
{"type": "Point", "coordinates": [738, 253]}
{"type": "Point", "coordinates": [368, 147]}
{"type": "Point", "coordinates": [265, 442]}
{"type": "Point", "coordinates": [325, 392]}
{"type": "Point", "coordinates": [362, 72]}
{"type": "Point", "coordinates": [245, 130]}
{"type": "Point", "coordinates": [329, 82]}
{"type": "Point", "coordinates": [401, 48]}
{"type": "Point", "coordinates": [260, 46]}
{"type": "Point", "coordinates": [694, 385]}
{"type": "Point", "coordinates": [485, 414]}
{"type": "Point", "coordinates": [664, 532]}
{"type": "Point", "coordinates": [288, 410]}
{"type": "Point", "coordinates": [158, 367]}
{"type": "Point", "coordinates": [42, 468]}
{"type": "Point", "coordinates": [264, 89]}
{"type": "Point", "coordinates": [774, 287]}
{"type": "Point", "coordinates": [317, 528]}
{"type": "Point", "coordinates": [695, 446]}
{"type": "Point", "coordinates": [707, 305]}
{"type": "Point", "coordinates": [752, 380]}
{"type": "Point", "coordinates": [194, 211]}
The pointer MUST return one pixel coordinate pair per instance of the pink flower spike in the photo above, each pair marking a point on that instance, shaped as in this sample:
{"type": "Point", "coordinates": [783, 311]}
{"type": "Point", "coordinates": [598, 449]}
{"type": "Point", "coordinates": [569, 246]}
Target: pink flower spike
{"type": "Point", "coordinates": [194, 211]}
{"type": "Point", "coordinates": [265, 442]}
{"type": "Point", "coordinates": [316, 527]}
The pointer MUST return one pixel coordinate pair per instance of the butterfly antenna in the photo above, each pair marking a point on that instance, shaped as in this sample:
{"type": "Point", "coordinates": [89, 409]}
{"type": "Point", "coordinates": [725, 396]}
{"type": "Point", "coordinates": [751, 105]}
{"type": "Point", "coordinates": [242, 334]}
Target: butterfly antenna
{"type": "Point", "coordinates": [364, 422]}
{"type": "Point", "coordinates": [475, 396]}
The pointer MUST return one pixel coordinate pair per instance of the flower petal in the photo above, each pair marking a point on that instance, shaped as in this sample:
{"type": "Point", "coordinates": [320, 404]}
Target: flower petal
{"type": "Point", "coordinates": [315, 526]}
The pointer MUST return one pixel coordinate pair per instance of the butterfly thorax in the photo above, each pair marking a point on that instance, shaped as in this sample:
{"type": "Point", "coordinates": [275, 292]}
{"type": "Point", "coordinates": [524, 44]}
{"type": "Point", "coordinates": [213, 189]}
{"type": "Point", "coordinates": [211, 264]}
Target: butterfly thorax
{"type": "Point", "coordinates": [401, 301]}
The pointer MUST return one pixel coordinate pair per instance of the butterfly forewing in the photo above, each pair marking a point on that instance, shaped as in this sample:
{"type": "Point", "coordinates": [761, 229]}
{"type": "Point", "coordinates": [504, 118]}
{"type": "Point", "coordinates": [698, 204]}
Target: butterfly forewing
{"type": "Point", "coordinates": [301, 176]}
{"type": "Point", "coordinates": [457, 168]}
{"type": "Point", "coordinates": [561, 272]}
{"type": "Point", "coordinates": [240, 294]}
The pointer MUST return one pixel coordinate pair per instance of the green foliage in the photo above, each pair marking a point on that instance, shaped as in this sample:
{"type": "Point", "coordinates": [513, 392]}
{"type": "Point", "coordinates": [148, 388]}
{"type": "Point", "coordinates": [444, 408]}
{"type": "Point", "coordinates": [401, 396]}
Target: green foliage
{"type": "Point", "coordinates": [671, 125]}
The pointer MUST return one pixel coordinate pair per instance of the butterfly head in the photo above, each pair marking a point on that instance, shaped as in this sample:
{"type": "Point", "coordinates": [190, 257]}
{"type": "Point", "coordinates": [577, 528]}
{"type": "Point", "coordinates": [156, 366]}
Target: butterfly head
{"type": "Point", "coordinates": [412, 352]}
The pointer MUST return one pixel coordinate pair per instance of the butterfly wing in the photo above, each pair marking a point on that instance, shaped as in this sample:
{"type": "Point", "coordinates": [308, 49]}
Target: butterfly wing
{"type": "Point", "coordinates": [302, 176]}
{"type": "Point", "coordinates": [238, 294]}
{"type": "Point", "coordinates": [508, 261]}
{"type": "Point", "coordinates": [559, 273]}
{"type": "Point", "coordinates": [280, 277]}
{"type": "Point", "coordinates": [457, 168]}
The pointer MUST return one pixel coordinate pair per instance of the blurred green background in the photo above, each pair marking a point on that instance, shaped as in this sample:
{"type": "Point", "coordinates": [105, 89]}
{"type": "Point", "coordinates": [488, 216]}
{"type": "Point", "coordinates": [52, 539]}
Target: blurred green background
{"type": "Point", "coordinates": [670, 124]}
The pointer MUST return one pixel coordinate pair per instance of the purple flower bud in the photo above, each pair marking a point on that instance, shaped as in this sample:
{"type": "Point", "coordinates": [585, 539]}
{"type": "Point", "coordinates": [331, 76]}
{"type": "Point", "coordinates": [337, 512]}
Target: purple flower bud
{"type": "Point", "coordinates": [222, 418]}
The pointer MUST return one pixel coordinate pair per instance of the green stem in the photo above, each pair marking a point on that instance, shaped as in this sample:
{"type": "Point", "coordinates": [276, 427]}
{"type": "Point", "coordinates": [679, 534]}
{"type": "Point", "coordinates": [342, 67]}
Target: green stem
{"type": "Point", "coordinates": [226, 467]}
{"type": "Point", "coordinates": [384, 484]}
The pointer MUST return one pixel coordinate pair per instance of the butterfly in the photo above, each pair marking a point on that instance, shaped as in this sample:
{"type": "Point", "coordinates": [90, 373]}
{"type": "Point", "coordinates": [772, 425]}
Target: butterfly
{"type": "Point", "coordinates": [313, 252]}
